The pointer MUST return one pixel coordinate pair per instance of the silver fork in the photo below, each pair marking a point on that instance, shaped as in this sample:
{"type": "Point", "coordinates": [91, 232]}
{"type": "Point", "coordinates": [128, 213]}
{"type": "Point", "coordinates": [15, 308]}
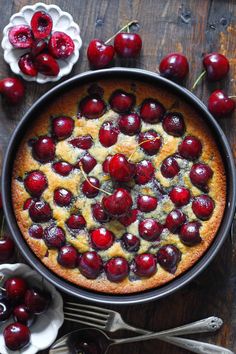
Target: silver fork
{"type": "Point", "coordinates": [112, 321]}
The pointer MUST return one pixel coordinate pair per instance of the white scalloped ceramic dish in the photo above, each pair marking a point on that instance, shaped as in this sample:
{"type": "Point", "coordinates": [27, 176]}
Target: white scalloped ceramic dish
{"type": "Point", "coordinates": [62, 21]}
{"type": "Point", "coordinates": [44, 330]}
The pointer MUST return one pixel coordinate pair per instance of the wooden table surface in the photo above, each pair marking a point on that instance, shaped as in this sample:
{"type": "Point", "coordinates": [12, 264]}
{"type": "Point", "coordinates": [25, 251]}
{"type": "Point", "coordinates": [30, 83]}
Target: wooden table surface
{"type": "Point", "coordinates": [194, 28]}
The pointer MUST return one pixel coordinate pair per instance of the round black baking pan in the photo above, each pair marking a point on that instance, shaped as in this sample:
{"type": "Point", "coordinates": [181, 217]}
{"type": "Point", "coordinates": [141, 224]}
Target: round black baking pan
{"type": "Point", "coordinates": [183, 94]}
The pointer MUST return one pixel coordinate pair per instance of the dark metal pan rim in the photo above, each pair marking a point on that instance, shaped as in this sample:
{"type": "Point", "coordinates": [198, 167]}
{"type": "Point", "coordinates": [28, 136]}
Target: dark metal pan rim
{"type": "Point", "coordinates": [179, 282]}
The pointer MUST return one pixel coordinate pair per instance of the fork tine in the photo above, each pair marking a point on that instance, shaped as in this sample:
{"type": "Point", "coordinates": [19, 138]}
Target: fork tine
{"type": "Point", "coordinates": [86, 312]}
{"type": "Point", "coordinates": [83, 322]}
{"type": "Point", "coordinates": [96, 320]}
{"type": "Point", "coordinates": [95, 308]}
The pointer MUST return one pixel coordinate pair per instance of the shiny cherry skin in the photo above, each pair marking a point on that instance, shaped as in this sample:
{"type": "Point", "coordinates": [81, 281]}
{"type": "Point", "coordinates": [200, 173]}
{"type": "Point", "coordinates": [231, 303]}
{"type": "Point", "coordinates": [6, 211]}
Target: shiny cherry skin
{"type": "Point", "coordinates": [102, 238]}
{"type": "Point", "coordinates": [62, 127]}
{"type": "Point", "coordinates": [220, 104]}
{"type": "Point", "coordinates": [189, 233]}
{"type": "Point", "coordinates": [150, 142]}
{"type": "Point", "coordinates": [44, 149]}
{"type": "Point", "coordinates": [90, 264]}
{"type": "Point", "coordinates": [16, 336]}
{"type": "Point", "coordinates": [21, 314]}
{"type": "Point", "coordinates": [190, 148]}
{"type": "Point", "coordinates": [144, 172]}
{"type": "Point", "coordinates": [99, 213]}
{"type": "Point", "coordinates": [7, 248]}
{"type": "Point", "coordinates": [5, 308]}
{"type": "Point", "coordinates": [15, 288]}
{"type": "Point", "coordinates": [122, 102]}
{"type": "Point", "coordinates": [117, 269]}
{"type": "Point", "coordinates": [146, 203]}
{"type": "Point", "coordinates": [54, 236]}
{"type": "Point", "coordinates": [90, 189]}
{"type": "Point", "coordinates": [129, 218]}
{"type": "Point", "coordinates": [127, 45]}
{"type": "Point", "coordinates": [117, 204]}
{"type": "Point", "coordinates": [105, 165]}
{"type": "Point", "coordinates": [174, 66]}
{"type": "Point", "coordinates": [200, 174]}
{"type": "Point", "coordinates": [174, 220]}
{"type": "Point", "coordinates": [168, 257]}
{"type": "Point", "coordinates": [27, 66]}
{"type": "Point", "coordinates": [203, 206]}
{"type": "Point", "coordinates": [76, 222]}
{"type": "Point", "coordinates": [99, 54]}
{"type": "Point", "coordinates": [130, 242]}
{"type": "Point", "coordinates": [47, 65]}
{"type": "Point", "coordinates": [88, 163]}
{"type": "Point", "coordinates": [41, 24]}
{"type": "Point", "coordinates": [38, 46]}
{"type": "Point", "coordinates": [145, 265]}
{"type": "Point", "coordinates": [130, 124]}
{"type": "Point", "coordinates": [35, 183]}
{"type": "Point", "coordinates": [216, 66]}
{"type": "Point", "coordinates": [61, 45]}
{"type": "Point", "coordinates": [92, 107]}
{"type": "Point", "coordinates": [37, 301]}
{"type": "Point", "coordinates": [40, 211]}
{"type": "Point", "coordinates": [28, 203]}
{"type": "Point", "coordinates": [108, 134]}
{"type": "Point", "coordinates": [12, 89]}
{"type": "Point", "coordinates": [120, 169]}
{"type": "Point", "coordinates": [169, 167]}
{"type": "Point", "coordinates": [62, 197]}
{"type": "Point", "coordinates": [152, 111]}
{"type": "Point", "coordinates": [83, 142]}
{"type": "Point", "coordinates": [150, 229]}
{"type": "Point", "coordinates": [68, 257]}
{"type": "Point", "coordinates": [36, 231]}
{"type": "Point", "coordinates": [180, 196]}
{"type": "Point", "coordinates": [63, 168]}
{"type": "Point", "coordinates": [173, 124]}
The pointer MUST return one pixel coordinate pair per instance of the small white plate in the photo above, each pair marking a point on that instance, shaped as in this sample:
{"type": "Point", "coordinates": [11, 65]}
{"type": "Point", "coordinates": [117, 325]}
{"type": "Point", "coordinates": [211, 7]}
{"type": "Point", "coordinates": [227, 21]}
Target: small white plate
{"type": "Point", "coordinates": [62, 21]}
{"type": "Point", "coordinates": [45, 328]}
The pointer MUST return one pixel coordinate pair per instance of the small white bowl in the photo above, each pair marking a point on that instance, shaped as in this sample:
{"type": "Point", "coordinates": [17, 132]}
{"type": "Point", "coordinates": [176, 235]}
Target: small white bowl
{"type": "Point", "coordinates": [62, 21]}
{"type": "Point", "coordinates": [45, 328]}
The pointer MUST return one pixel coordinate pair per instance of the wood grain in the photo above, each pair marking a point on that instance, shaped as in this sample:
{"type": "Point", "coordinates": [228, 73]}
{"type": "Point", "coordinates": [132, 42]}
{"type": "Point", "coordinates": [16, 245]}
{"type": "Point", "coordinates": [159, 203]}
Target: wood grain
{"type": "Point", "coordinates": [194, 28]}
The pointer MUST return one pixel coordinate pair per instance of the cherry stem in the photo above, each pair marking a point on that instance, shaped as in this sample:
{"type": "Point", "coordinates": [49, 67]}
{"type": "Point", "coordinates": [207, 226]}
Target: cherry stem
{"type": "Point", "coordinates": [122, 29]}
{"type": "Point", "coordinates": [198, 79]}
{"type": "Point", "coordinates": [143, 142]}
{"type": "Point", "coordinates": [232, 96]}
{"type": "Point", "coordinates": [2, 226]}
{"type": "Point", "coordinates": [85, 176]}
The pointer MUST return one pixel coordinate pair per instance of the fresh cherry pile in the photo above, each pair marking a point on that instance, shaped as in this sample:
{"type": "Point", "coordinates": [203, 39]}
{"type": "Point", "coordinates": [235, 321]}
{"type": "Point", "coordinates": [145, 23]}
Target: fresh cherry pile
{"type": "Point", "coordinates": [24, 303]}
{"type": "Point", "coordinates": [45, 46]}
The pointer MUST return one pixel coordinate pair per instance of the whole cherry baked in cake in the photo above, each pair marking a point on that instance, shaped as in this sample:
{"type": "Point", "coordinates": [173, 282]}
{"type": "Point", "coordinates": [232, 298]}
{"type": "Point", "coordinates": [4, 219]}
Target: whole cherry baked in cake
{"type": "Point", "coordinates": [118, 186]}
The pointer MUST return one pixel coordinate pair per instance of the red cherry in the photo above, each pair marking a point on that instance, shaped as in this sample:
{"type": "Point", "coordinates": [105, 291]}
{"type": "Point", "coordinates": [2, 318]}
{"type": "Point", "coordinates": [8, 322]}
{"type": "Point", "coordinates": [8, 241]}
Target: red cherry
{"type": "Point", "coordinates": [47, 65]}
{"type": "Point", "coordinates": [146, 203]}
{"type": "Point", "coordinates": [37, 300]}
{"type": "Point", "coordinates": [88, 163]}
{"type": "Point", "coordinates": [16, 336]}
{"type": "Point", "coordinates": [169, 167]}
{"type": "Point", "coordinates": [54, 236]}
{"type": "Point", "coordinates": [220, 104]}
{"type": "Point", "coordinates": [174, 66]}
{"type": "Point", "coordinates": [7, 248]}
{"type": "Point", "coordinates": [117, 269]}
{"type": "Point", "coordinates": [84, 142]}
{"type": "Point", "coordinates": [190, 148]}
{"type": "Point", "coordinates": [67, 257]}
{"type": "Point", "coordinates": [152, 111]}
{"type": "Point", "coordinates": [117, 204]}
{"type": "Point", "coordinates": [168, 257]}
{"type": "Point", "coordinates": [15, 288]}
{"type": "Point", "coordinates": [21, 314]}
{"type": "Point", "coordinates": [174, 220]}
{"type": "Point", "coordinates": [120, 169]}
{"type": "Point", "coordinates": [35, 183]}
{"type": "Point", "coordinates": [200, 174]}
{"type": "Point", "coordinates": [99, 213]}
{"type": "Point", "coordinates": [60, 45]}
{"type": "Point", "coordinates": [144, 172]}
{"type": "Point", "coordinates": [189, 233]}
{"type": "Point", "coordinates": [150, 142]}
{"type": "Point", "coordinates": [216, 66]}
{"type": "Point", "coordinates": [90, 188]}
{"type": "Point", "coordinates": [92, 107]}
{"type": "Point", "coordinates": [129, 218]}
{"type": "Point", "coordinates": [63, 168]}
{"type": "Point", "coordinates": [99, 54]}
{"type": "Point", "coordinates": [90, 265]}
{"type": "Point", "coordinates": [12, 89]}
{"type": "Point", "coordinates": [62, 127]}
{"type": "Point", "coordinates": [36, 231]}
{"type": "Point", "coordinates": [26, 65]}
{"type": "Point", "coordinates": [20, 36]}
{"type": "Point", "coordinates": [130, 242]}
{"type": "Point", "coordinates": [105, 165]}
{"type": "Point", "coordinates": [41, 24]}
{"type": "Point", "coordinates": [130, 124]}
{"type": "Point", "coordinates": [173, 124]}
{"type": "Point", "coordinates": [127, 45]}
{"type": "Point", "coordinates": [38, 46]}
{"type": "Point", "coordinates": [44, 149]}
{"type": "Point", "coordinates": [101, 238]}
{"type": "Point", "coordinates": [180, 196]}
{"type": "Point", "coordinates": [76, 222]}
{"type": "Point", "coordinates": [108, 134]}
{"type": "Point", "coordinates": [62, 197]}
{"type": "Point", "coordinates": [145, 265]}
{"type": "Point", "coordinates": [150, 229]}
{"type": "Point", "coordinates": [121, 101]}
{"type": "Point", "coordinates": [27, 203]}
{"type": "Point", "coordinates": [40, 211]}
{"type": "Point", "coordinates": [203, 206]}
